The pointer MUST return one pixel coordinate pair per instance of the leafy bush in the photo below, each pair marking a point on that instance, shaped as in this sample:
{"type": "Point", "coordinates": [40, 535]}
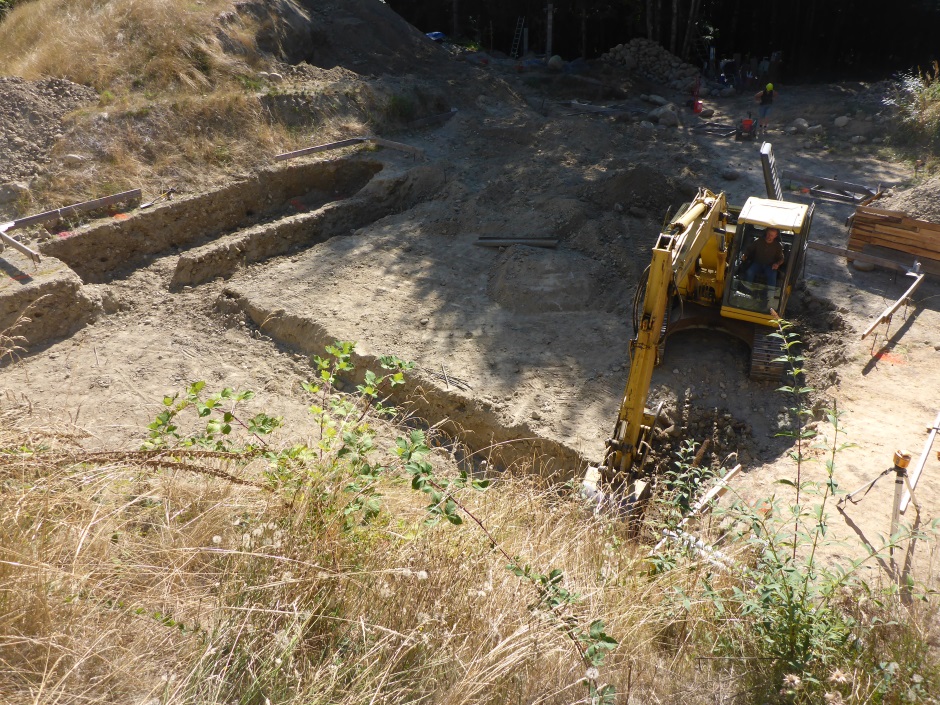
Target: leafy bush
{"type": "Point", "coordinates": [915, 98]}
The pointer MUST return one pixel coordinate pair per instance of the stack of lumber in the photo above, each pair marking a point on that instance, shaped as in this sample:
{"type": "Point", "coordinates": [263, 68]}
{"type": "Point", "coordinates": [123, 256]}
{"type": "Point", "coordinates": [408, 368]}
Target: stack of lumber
{"type": "Point", "coordinates": [876, 228]}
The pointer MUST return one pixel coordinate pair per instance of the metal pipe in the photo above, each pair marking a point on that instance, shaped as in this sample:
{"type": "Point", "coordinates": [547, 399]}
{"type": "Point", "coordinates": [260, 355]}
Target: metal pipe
{"type": "Point", "coordinates": [890, 311]}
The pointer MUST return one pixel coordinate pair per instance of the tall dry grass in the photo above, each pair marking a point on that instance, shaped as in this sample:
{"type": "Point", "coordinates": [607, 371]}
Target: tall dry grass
{"type": "Point", "coordinates": [119, 45]}
{"type": "Point", "coordinates": [123, 583]}
{"type": "Point", "coordinates": [180, 101]}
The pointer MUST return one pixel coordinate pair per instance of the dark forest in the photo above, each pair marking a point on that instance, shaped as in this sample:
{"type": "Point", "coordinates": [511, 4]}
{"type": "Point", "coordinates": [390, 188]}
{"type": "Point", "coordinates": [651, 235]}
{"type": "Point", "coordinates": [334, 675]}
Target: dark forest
{"type": "Point", "coordinates": [861, 39]}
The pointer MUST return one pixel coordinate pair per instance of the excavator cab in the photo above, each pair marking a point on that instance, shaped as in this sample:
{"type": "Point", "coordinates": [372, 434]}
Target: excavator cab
{"type": "Point", "coordinates": [753, 300]}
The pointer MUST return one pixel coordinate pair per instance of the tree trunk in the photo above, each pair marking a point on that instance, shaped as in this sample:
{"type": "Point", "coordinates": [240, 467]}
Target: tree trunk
{"type": "Point", "coordinates": [583, 33]}
{"type": "Point", "coordinates": [548, 32]}
{"type": "Point", "coordinates": [690, 30]}
{"type": "Point", "coordinates": [649, 19]}
{"type": "Point", "coordinates": [455, 30]}
{"type": "Point", "coordinates": [675, 26]}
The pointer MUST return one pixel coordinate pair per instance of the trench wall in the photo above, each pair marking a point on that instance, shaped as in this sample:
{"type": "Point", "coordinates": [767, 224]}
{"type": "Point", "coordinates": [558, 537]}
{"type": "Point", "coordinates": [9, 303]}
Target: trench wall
{"type": "Point", "coordinates": [459, 415]}
{"type": "Point", "coordinates": [99, 251]}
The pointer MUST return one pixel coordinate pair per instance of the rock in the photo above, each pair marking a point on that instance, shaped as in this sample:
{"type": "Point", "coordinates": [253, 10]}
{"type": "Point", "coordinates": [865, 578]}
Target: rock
{"type": "Point", "coordinates": [665, 115]}
{"type": "Point", "coordinates": [13, 191]}
{"type": "Point", "coordinates": [657, 99]}
{"type": "Point", "coordinates": [841, 121]}
{"type": "Point", "coordinates": [857, 139]}
{"type": "Point", "coordinates": [730, 175]}
{"type": "Point", "coordinates": [814, 130]}
{"type": "Point", "coordinates": [801, 125]}
{"type": "Point", "coordinates": [791, 130]}
{"type": "Point", "coordinates": [73, 160]}
{"type": "Point", "coordinates": [556, 63]}
{"type": "Point", "coordinates": [727, 92]}
{"type": "Point", "coordinates": [669, 118]}
{"type": "Point", "coordinates": [637, 212]}
{"type": "Point", "coordinates": [275, 77]}
{"type": "Point", "coordinates": [647, 125]}
{"type": "Point", "coordinates": [707, 113]}
{"type": "Point", "coordinates": [425, 321]}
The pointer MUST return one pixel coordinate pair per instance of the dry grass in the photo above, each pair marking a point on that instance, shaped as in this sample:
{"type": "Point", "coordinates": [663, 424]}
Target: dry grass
{"type": "Point", "coordinates": [148, 578]}
{"type": "Point", "coordinates": [121, 583]}
{"type": "Point", "coordinates": [180, 103]}
{"type": "Point", "coordinates": [120, 45]}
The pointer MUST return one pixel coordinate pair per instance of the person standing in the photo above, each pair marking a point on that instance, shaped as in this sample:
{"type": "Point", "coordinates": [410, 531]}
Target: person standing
{"type": "Point", "coordinates": [766, 100]}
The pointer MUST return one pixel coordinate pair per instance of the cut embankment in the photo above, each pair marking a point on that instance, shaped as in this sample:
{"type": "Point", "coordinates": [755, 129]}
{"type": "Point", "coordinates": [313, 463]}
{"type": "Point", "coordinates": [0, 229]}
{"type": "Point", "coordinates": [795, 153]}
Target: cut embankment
{"type": "Point", "coordinates": [470, 420]}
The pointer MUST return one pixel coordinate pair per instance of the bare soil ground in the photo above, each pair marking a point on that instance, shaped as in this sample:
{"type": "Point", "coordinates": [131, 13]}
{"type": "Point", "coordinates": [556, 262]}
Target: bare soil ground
{"type": "Point", "coordinates": [539, 336]}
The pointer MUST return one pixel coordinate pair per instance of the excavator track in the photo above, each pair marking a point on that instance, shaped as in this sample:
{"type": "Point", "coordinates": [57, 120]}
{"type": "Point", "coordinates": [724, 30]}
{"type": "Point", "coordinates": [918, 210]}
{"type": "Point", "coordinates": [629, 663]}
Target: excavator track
{"type": "Point", "coordinates": [766, 364]}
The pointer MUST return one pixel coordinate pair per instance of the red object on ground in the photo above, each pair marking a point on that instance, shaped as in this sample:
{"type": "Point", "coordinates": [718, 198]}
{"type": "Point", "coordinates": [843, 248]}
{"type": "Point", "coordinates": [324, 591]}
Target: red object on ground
{"type": "Point", "coordinates": [697, 106]}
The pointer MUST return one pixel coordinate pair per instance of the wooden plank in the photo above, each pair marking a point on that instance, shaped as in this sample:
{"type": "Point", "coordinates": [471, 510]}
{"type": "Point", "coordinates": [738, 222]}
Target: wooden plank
{"type": "Point", "coordinates": [906, 240]}
{"type": "Point", "coordinates": [532, 242]}
{"type": "Point", "coordinates": [319, 148]}
{"type": "Point", "coordinates": [892, 309]}
{"type": "Point", "coordinates": [417, 151]}
{"type": "Point", "coordinates": [84, 207]}
{"type": "Point", "coordinates": [877, 261]}
{"type": "Point", "coordinates": [892, 243]}
{"type": "Point", "coordinates": [881, 212]}
{"type": "Point", "coordinates": [901, 242]}
{"type": "Point", "coordinates": [7, 240]}
{"type": "Point", "coordinates": [914, 475]}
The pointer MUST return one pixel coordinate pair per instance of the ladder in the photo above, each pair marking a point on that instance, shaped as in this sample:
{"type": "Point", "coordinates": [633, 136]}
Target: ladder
{"type": "Point", "coordinates": [517, 38]}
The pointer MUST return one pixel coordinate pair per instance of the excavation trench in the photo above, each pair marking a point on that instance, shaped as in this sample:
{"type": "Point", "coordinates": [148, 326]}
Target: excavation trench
{"type": "Point", "coordinates": [468, 419]}
{"type": "Point", "coordinates": [280, 201]}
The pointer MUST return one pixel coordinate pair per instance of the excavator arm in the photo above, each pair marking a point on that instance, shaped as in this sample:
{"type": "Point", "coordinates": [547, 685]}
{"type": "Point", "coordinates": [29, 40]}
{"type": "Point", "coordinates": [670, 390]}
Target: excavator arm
{"type": "Point", "coordinates": [689, 258]}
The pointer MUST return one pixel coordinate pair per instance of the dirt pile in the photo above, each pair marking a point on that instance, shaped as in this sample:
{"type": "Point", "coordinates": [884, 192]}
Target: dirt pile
{"type": "Point", "coordinates": [921, 202]}
{"type": "Point", "coordinates": [31, 115]}
{"type": "Point", "coordinates": [363, 37]}
{"type": "Point", "coordinates": [655, 62]}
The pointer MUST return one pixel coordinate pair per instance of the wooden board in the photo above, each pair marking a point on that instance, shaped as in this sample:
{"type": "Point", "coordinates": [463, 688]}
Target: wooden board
{"type": "Point", "coordinates": [876, 227]}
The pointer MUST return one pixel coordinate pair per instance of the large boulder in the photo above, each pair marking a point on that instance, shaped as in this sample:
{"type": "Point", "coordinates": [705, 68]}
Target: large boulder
{"type": "Point", "coordinates": [667, 115]}
{"type": "Point", "coordinates": [841, 121]}
{"type": "Point", "coordinates": [12, 192]}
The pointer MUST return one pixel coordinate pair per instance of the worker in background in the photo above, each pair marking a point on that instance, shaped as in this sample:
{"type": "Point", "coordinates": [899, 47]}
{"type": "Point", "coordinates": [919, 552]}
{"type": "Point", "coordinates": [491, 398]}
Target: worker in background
{"type": "Point", "coordinates": [766, 99]}
{"type": "Point", "coordinates": [764, 256]}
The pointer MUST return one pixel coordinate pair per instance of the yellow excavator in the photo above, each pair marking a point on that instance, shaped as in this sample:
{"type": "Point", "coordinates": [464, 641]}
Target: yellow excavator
{"type": "Point", "coordinates": [697, 279]}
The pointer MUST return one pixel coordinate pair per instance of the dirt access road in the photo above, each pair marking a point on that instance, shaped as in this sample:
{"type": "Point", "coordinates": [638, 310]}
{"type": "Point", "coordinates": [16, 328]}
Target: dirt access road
{"type": "Point", "coordinates": [540, 337]}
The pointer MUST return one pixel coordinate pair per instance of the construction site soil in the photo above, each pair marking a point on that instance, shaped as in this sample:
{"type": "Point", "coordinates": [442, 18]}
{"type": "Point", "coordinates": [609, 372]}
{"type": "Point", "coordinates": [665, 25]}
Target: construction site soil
{"type": "Point", "coordinates": [521, 352]}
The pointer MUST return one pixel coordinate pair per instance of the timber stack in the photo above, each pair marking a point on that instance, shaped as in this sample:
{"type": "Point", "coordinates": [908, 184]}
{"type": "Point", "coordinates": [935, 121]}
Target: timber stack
{"type": "Point", "coordinates": [876, 228]}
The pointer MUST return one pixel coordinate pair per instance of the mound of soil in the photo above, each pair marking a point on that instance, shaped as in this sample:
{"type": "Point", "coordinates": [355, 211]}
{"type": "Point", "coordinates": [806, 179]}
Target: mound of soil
{"type": "Point", "coordinates": [30, 121]}
{"type": "Point", "coordinates": [363, 37]}
{"type": "Point", "coordinates": [921, 202]}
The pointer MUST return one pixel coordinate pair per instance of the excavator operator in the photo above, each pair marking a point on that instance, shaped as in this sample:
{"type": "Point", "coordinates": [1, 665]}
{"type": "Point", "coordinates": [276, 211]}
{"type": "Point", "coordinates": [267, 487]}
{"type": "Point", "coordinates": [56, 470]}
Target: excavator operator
{"type": "Point", "coordinates": [764, 256]}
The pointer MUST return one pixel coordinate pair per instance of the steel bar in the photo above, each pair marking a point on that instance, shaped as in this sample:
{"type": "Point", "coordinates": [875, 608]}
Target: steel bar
{"type": "Point", "coordinates": [890, 311]}
{"type": "Point", "coordinates": [320, 148]}
{"type": "Point", "coordinates": [817, 181]}
{"type": "Point", "coordinates": [921, 462]}
{"type": "Point", "coordinates": [84, 207]}
{"type": "Point", "coordinates": [531, 242]}
{"type": "Point", "coordinates": [348, 143]}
